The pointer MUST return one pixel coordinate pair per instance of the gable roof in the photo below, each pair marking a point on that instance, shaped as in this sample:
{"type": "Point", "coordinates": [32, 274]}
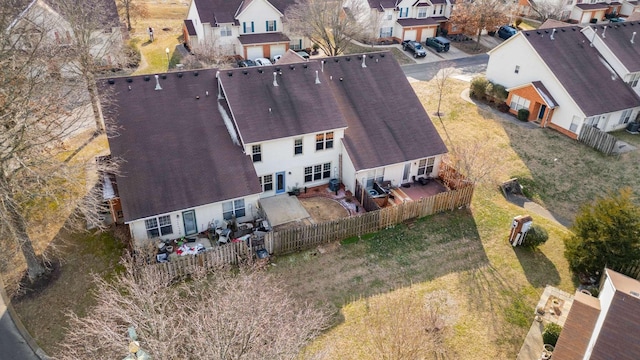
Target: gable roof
{"type": "Point", "coordinates": [551, 23]}
{"type": "Point", "coordinates": [387, 122]}
{"type": "Point", "coordinates": [165, 137]}
{"type": "Point", "coordinates": [620, 329]}
{"type": "Point", "coordinates": [291, 57]}
{"type": "Point", "coordinates": [225, 11]}
{"type": "Point", "coordinates": [296, 106]}
{"type": "Point", "coordinates": [271, 37]}
{"type": "Point", "coordinates": [582, 71]}
{"type": "Point", "coordinates": [542, 91]}
{"type": "Point", "coordinates": [382, 4]}
{"type": "Point", "coordinates": [575, 335]}
{"type": "Point", "coordinates": [618, 40]}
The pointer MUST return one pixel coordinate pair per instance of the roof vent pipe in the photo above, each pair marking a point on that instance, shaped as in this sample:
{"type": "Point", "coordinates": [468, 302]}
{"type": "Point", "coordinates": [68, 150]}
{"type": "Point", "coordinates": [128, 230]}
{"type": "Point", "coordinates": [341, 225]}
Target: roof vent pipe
{"type": "Point", "coordinates": [604, 31]}
{"type": "Point", "coordinates": [633, 36]}
{"type": "Point", "coordinates": [158, 87]}
{"type": "Point", "coordinates": [317, 78]}
{"type": "Point", "coordinates": [322, 65]}
{"type": "Point", "coordinates": [553, 33]}
{"type": "Point", "coordinates": [275, 83]}
{"type": "Point", "coordinates": [363, 64]}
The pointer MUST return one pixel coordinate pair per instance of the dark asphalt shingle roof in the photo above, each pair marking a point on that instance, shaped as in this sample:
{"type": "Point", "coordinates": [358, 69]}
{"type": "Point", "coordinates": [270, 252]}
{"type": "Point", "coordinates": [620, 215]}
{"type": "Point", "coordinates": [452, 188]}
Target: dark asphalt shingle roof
{"type": "Point", "coordinates": [296, 106]}
{"type": "Point", "coordinates": [417, 22]}
{"type": "Point", "coordinates": [264, 38]}
{"type": "Point", "coordinates": [578, 328]}
{"type": "Point", "coordinates": [582, 71]}
{"type": "Point", "coordinates": [224, 11]}
{"type": "Point", "coordinates": [382, 4]}
{"type": "Point", "coordinates": [387, 122]}
{"type": "Point", "coordinates": [618, 40]}
{"type": "Point", "coordinates": [176, 149]}
{"type": "Point", "coordinates": [619, 333]}
{"type": "Point", "coordinates": [191, 30]}
{"type": "Point", "coordinates": [592, 6]}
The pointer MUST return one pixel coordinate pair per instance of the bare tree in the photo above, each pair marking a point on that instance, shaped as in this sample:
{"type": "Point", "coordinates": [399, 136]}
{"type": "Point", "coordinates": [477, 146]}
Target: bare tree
{"type": "Point", "coordinates": [550, 10]}
{"type": "Point", "coordinates": [471, 17]}
{"type": "Point", "coordinates": [246, 315]}
{"type": "Point", "coordinates": [132, 9]}
{"type": "Point", "coordinates": [39, 109]}
{"type": "Point", "coordinates": [96, 41]}
{"type": "Point", "coordinates": [331, 24]}
{"type": "Point", "coordinates": [371, 22]}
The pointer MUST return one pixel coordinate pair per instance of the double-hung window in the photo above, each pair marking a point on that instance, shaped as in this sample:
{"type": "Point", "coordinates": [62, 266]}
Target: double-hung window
{"type": "Point", "coordinates": [225, 31]}
{"type": "Point", "coordinates": [271, 25]}
{"type": "Point", "coordinates": [324, 141]}
{"type": "Point", "coordinates": [248, 27]}
{"type": "Point", "coordinates": [518, 103]}
{"type": "Point", "coordinates": [425, 166]}
{"type": "Point", "coordinates": [157, 226]}
{"type": "Point", "coordinates": [633, 81]}
{"type": "Point", "coordinates": [317, 172]}
{"type": "Point", "coordinates": [231, 209]}
{"type": "Point", "coordinates": [266, 182]}
{"type": "Point", "coordinates": [297, 146]}
{"type": "Point", "coordinates": [256, 153]}
{"type": "Point", "coordinates": [422, 12]}
{"type": "Point", "coordinates": [625, 117]}
{"type": "Point", "coordinates": [386, 32]}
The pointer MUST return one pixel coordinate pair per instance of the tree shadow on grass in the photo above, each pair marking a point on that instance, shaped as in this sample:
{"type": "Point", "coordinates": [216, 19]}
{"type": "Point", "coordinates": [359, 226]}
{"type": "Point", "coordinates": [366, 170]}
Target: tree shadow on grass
{"type": "Point", "coordinates": [539, 270]}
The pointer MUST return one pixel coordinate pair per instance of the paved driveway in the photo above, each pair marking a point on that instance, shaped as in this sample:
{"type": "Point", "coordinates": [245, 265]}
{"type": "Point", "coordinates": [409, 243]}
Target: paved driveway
{"type": "Point", "coordinates": [13, 336]}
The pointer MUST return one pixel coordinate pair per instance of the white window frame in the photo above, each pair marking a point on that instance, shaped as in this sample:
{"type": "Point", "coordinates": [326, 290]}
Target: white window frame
{"type": "Point", "coordinates": [158, 226]}
{"type": "Point", "coordinates": [574, 124]}
{"type": "Point", "coordinates": [256, 153]}
{"type": "Point", "coordinates": [386, 31]}
{"type": "Point", "coordinates": [518, 102]}
{"type": "Point", "coordinates": [324, 141]}
{"type": "Point", "coordinates": [388, 15]}
{"type": "Point", "coordinates": [625, 116]}
{"type": "Point", "coordinates": [266, 182]}
{"type": "Point", "coordinates": [425, 166]}
{"type": "Point", "coordinates": [422, 12]}
{"type": "Point", "coordinates": [225, 31]}
{"type": "Point", "coordinates": [297, 147]}
{"type": "Point", "coordinates": [271, 26]}
{"type": "Point", "coordinates": [317, 172]}
{"type": "Point", "coordinates": [233, 209]}
{"type": "Point", "coordinates": [633, 81]}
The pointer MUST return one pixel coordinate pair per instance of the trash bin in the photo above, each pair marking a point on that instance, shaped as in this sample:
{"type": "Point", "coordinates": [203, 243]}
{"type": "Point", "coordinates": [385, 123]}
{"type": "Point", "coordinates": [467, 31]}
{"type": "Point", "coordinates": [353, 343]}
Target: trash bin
{"type": "Point", "coordinates": [334, 185]}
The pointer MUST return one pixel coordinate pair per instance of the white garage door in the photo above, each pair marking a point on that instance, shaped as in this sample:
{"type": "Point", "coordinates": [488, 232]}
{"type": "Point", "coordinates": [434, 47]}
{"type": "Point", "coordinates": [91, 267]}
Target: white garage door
{"type": "Point", "coordinates": [427, 33]}
{"type": "Point", "coordinates": [254, 52]}
{"type": "Point", "coordinates": [586, 17]}
{"type": "Point", "coordinates": [410, 34]}
{"type": "Point", "coordinates": [278, 50]}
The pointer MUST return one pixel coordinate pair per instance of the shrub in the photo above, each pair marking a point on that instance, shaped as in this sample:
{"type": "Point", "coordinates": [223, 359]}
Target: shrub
{"type": "Point", "coordinates": [478, 87]}
{"type": "Point", "coordinates": [551, 333]}
{"type": "Point", "coordinates": [523, 114]}
{"type": "Point", "coordinates": [132, 55]}
{"type": "Point", "coordinates": [503, 107]}
{"type": "Point", "coordinates": [536, 236]}
{"type": "Point", "coordinates": [500, 92]}
{"type": "Point", "coordinates": [518, 22]}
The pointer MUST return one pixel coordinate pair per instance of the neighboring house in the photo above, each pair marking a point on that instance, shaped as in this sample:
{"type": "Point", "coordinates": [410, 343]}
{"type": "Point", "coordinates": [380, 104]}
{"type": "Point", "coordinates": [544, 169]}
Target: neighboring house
{"type": "Point", "coordinates": [578, 11]}
{"type": "Point", "coordinates": [207, 145]}
{"type": "Point", "coordinates": [106, 43]}
{"type": "Point", "coordinates": [250, 28]}
{"type": "Point", "coordinates": [605, 327]}
{"type": "Point", "coordinates": [564, 81]}
{"type": "Point", "coordinates": [411, 19]}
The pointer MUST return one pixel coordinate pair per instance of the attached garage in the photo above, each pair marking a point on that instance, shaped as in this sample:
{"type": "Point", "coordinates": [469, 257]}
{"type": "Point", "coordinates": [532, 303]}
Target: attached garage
{"type": "Point", "coordinates": [427, 33]}
{"type": "Point", "coordinates": [410, 34]}
{"type": "Point", "coordinates": [278, 49]}
{"type": "Point", "coordinates": [254, 52]}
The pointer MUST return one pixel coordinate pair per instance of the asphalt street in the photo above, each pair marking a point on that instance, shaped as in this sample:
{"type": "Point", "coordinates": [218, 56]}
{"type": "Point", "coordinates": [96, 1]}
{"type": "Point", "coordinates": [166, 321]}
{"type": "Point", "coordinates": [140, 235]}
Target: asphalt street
{"type": "Point", "coordinates": [424, 72]}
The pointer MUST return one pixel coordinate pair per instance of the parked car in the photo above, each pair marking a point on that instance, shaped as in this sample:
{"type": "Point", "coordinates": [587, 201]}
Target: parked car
{"type": "Point", "coordinates": [414, 47]}
{"type": "Point", "coordinates": [246, 63]}
{"type": "Point", "coordinates": [616, 19]}
{"type": "Point", "coordinates": [506, 32]}
{"type": "Point", "coordinates": [276, 58]}
{"type": "Point", "coordinates": [262, 61]}
{"type": "Point", "coordinates": [439, 43]}
{"type": "Point", "coordinates": [303, 53]}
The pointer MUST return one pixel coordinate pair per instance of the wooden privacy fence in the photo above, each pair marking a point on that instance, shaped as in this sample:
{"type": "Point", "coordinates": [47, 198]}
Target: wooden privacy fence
{"type": "Point", "coordinates": [597, 139]}
{"type": "Point", "coordinates": [302, 238]}
{"type": "Point", "coordinates": [632, 270]}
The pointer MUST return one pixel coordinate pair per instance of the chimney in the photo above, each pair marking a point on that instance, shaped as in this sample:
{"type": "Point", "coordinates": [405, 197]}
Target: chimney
{"type": "Point", "coordinates": [633, 36]}
{"type": "Point", "coordinates": [275, 83]}
{"type": "Point", "coordinates": [317, 78]}
{"type": "Point", "coordinates": [363, 64]}
{"type": "Point", "coordinates": [553, 33]}
{"type": "Point", "coordinates": [158, 87]}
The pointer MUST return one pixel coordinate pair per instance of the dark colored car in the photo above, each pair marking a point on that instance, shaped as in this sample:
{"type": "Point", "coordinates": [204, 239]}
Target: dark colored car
{"type": "Point", "coordinates": [439, 43]}
{"type": "Point", "coordinates": [246, 63]}
{"type": "Point", "coordinates": [616, 19]}
{"type": "Point", "coordinates": [414, 47]}
{"type": "Point", "coordinates": [506, 32]}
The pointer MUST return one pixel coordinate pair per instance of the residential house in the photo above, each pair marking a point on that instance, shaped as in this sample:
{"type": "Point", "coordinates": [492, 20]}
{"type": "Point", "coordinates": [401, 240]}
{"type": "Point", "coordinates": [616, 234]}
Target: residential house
{"type": "Point", "coordinates": [208, 144]}
{"type": "Point", "coordinates": [563, 80]}
{"type": "Point", "coordinates": [605, 327]}
{"type": "Point", "coordinates": [106, 42]}
{"type": "Point", "coordinates": [578, 11]}
{"type": "Point", "coordinates": [411, 19]}
{"type": "Point", "coordinates": [250, 28]}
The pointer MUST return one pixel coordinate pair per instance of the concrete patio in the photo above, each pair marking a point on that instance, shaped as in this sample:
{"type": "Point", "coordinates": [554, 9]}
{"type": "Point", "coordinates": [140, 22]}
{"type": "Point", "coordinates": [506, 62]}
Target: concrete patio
{"type": "Point", "coordinates": [282, 209]}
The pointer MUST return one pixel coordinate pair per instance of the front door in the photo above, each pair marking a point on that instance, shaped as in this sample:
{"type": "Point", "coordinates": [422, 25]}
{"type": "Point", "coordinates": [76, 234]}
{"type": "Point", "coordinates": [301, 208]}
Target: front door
{"type": "Point", "coordinates": [543, 108]}
{"type": "Point", "coordinates": [405, 173]}
{"type": "Point", "coordinates": [189, 220]}
{"type": "Point", "coordinates": [280, 182]}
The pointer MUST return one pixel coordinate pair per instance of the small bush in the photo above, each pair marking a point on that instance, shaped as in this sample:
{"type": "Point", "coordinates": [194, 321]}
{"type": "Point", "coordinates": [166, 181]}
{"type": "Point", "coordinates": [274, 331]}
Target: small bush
{"type": "Point", "coordinates": [500, 92]}
{"type": "Point", "coordinates": [536, 236]}
{"type": "Point", "coordinates": [478, 87]}
{"type": "Point", "coordinates": [523, 114]}
{"type": "Point", "coordinates": [551, 334]}
{"type": "Point", "coordinates": [503, 107]}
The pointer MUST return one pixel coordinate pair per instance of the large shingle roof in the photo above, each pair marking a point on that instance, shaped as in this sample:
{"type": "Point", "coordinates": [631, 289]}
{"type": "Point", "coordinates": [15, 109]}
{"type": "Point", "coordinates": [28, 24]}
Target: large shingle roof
{"type": "Point", "coordinates": [578, 328]}
{"type": "Point", "coordinates": [224, 11]}
{"type": "Point", "coordinates": [176, 149]}
{"type": "Point", "coordinates": [582, 71]}
{"type": "Point", "coordinates": [618, 39]}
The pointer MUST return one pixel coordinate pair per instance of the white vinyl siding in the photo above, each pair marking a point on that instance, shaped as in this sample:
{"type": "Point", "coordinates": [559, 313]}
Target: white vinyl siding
{"type": "Point", "coordinates": [425, 166]}
{"type": "Point", "coordinates": [231, 209]}
{"type": "Point", "coordinates": [157, 226]}
{"type": "Point", "coordinates": [317, 172]}
{"type": "Point", "coordinates": [625, 117]}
